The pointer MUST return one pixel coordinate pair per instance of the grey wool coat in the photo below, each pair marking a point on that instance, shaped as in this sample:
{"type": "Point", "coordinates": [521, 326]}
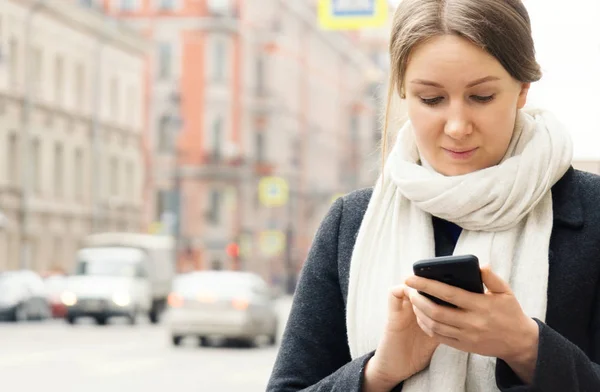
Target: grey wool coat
{"type": "Point", "coordinates": [314, 354]}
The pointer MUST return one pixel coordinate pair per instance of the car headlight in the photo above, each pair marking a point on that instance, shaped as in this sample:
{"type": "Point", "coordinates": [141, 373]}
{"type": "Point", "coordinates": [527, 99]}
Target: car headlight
{"type": "Point", "coordinates": [68, 298]}
{"type": "Point", "coordinates": [121, 299]}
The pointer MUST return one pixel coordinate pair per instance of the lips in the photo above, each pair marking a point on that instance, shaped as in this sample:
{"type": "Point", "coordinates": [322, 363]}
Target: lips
{"type": "Point", "coordinates": [460, 154]}
{"type": "Point", "coordinates": [460, 151]}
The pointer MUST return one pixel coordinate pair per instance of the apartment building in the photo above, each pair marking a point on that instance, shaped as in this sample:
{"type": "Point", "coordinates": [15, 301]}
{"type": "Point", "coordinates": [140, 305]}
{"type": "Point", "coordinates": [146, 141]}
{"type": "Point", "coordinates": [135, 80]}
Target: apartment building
{"type": "Point", "coordinates": [71, 127]}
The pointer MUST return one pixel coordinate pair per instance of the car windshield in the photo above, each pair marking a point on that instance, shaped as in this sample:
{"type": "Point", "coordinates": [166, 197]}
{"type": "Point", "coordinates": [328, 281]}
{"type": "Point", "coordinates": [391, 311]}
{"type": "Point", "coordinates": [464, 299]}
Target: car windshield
{"type": "Point", "coordinates": [212, 284]}
{"type": "Point", "coordinates": [116, 268]}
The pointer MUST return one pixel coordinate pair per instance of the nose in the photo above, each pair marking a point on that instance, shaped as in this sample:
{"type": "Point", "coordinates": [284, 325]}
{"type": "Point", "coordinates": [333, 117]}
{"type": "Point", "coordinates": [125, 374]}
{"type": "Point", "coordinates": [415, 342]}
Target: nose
{"type": "Point", "coordinates": [458, 125]}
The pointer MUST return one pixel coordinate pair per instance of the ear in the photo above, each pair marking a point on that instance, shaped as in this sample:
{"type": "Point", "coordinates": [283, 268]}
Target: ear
{"type": "Point", "coordinates": [523, 95]}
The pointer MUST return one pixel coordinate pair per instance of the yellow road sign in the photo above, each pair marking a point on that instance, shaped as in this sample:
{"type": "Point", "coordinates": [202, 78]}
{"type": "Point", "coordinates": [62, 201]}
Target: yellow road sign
{"type": "Point", "coordinates": [336, 196]}
{"type": "Point", "coordinates": [352, 14]}
{"type": "Point", "coordinates": [273, 191]}
{"type": "Point", "coordinates": [272, 242]}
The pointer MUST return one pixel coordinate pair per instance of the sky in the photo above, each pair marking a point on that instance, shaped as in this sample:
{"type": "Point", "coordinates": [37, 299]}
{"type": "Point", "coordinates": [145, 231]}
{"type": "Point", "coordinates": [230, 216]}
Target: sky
{"type": "Point", "coordinates": [567, 38]}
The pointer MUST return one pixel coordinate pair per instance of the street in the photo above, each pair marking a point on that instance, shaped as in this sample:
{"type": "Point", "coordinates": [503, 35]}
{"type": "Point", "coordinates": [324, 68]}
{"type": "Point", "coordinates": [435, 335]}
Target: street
{"type": "Point", "coordinates": [53, 356]}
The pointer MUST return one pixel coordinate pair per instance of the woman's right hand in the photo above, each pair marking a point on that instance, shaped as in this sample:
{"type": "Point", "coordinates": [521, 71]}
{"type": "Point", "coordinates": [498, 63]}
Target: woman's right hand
{"type": "Point", "coordinates": [404, 349]}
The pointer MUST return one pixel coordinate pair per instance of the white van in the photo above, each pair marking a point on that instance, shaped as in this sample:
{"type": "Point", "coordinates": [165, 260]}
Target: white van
{"type": "Point", "coordinates": [120, 274]}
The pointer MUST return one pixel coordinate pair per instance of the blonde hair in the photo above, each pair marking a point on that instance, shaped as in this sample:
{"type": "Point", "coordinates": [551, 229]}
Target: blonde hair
{"type": "Point", "coordinates": [500, 27]}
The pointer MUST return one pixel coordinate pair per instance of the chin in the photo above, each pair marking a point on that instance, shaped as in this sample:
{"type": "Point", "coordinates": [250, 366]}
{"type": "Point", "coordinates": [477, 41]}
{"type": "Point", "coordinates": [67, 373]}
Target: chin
{"type": "Point", "coordinates": [453, 170]}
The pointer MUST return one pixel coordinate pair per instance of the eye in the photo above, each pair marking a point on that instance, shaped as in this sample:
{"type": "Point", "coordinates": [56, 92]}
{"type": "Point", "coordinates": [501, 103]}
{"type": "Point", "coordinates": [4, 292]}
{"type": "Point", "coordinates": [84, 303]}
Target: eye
{"type": "Point", "coordinates": [482, 99]}
{"type": "Point", "coordinates": [432, 101]}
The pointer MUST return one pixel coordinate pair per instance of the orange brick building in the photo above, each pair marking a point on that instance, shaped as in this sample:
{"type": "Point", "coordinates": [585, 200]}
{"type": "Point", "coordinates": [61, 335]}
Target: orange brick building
{"type": "Point", "coordinates": [239, 90]}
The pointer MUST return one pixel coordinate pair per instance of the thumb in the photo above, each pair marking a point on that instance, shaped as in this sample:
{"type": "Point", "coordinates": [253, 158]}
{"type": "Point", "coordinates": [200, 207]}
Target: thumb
{"type": "Point", "coordinates": [398, 301]}
{"type": "Point", "coordinates": [493, 282]}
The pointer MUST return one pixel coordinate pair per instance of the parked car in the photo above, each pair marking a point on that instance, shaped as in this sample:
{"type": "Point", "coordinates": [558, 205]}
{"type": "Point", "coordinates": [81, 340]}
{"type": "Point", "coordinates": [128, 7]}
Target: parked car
{"type": "Point", "coordinates": [120, 274]}
{"type": "Point", "coordinates": [227, 304]}
{"type": "Point", "coordinates": [23, 296]}
{"type": "Point", "coordinates": [55, 287]}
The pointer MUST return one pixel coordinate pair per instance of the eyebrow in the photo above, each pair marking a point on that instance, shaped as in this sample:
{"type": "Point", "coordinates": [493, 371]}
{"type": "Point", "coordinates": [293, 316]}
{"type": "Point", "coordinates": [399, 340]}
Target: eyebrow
{"type": "Point", "coordinates": [471, 84]}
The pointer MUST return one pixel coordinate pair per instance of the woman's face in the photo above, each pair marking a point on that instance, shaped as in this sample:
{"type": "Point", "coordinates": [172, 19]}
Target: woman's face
{"type": "Point", "coordinates": [462, 104]}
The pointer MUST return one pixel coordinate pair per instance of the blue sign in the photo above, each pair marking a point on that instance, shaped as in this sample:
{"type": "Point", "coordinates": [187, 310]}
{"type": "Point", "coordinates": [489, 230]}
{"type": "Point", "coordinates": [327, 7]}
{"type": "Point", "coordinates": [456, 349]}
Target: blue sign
{"type": "Point", "coordinates": [353, 7]}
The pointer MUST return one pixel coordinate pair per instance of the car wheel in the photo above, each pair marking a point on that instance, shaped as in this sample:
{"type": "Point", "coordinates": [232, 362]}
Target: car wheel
{"type": "Point", "coordinates": [132, 318]}
{"type": "Point", "coordinates": [71, 319]}
{"type": "Point", "coordinates": [203, 341]}
{"type": "Point", "coordinates": [176, 340]}
{"type": "Point", "coordinates": [20, 314]}
{"type": "Point", "coordinates": [272, 339]}
{"type": "Point", "coordinates": [243, 342]}
{"type": "Point", "coordinates": [101, 320]}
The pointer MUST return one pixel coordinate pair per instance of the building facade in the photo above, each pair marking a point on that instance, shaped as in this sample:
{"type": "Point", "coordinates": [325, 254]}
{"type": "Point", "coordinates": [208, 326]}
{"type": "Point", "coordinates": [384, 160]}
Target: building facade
{"type": "Point", "coordinates": [71, 126]}
{"type": "Point", "coordinates": [243, 90]}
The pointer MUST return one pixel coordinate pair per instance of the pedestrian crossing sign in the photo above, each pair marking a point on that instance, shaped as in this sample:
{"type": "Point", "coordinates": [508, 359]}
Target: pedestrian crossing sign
{"type": "Point", "coordinates": [272, 242]}
{"type": "Point", "coordinates": [273, 191]}
{"type": "Point", "coordinates": [352, 14]}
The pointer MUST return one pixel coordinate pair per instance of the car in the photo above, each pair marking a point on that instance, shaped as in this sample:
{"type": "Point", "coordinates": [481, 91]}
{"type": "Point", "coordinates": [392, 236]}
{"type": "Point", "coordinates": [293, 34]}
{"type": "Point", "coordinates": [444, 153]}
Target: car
{"type": "Point", "coordinates": [120, 275]}
{"type": "Point", "coordinates": [55, 286]}
{"type": "Point", "coordinates": [23, 296]}
{"type": "Point", "coordinates": [226, 304]}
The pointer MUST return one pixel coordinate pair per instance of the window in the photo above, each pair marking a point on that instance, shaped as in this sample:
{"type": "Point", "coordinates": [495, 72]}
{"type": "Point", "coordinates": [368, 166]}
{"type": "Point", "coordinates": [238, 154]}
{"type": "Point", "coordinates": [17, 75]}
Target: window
{"type": "Point", "coordinates": [79, 86]}
{"type": "Point", "coordinates": [128, 5]}
{"type": "Point", "coordinates": [130, 182]}
{"type": "Point", "coordinates": [114, 99]}
{"type": "Point", "coordinates": [166, 5]}
{"type": "Point", "coordinates": [162, 203]}
{"type": "Point", "coordinates": [59, 88]}
{"type": "Point", "coordinates": [35, 167]}
{"type": "Point", "coordinates": [36, 59]}
{"type": "Point", "coordinates": [164, 60]}
{"type": "Point", "coordinates": [260, 147]}
{"type": "Point", "coordinates": [260, 75]}
{"type": "Point", "coordinates": [58, 252]}
{"type": "Point", "coordinates": [14, 62]}
{"type": "Point", "coordinates": [87, 3]}
{"type": "Point", "coordinates": [165, 137]}
{"type": "Point", "coordinates": [132, 101]}
{"type": "Point", "coordinates": [219, 61]}
{"type": "Point", "coordinates": [58, 171]}
{"type": "Point", "coordinates": [167, 205]}
{"type": "Point", "coordinates": [217, 130]}
{"type": "Point", "coordinates": [13, 163]}
{"type": "Point", "coordinates": [114, 177]}
{"type": "Point", "coordinates": [78, 174]}
{"type": "Point", "coordinates": [214, 209]}
{"type": "Point", "coordinates": [220, 7]}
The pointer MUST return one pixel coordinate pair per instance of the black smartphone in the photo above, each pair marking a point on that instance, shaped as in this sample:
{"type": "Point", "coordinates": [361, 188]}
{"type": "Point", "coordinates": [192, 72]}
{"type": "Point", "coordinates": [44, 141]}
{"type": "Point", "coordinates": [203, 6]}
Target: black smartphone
{"type": "Point", "coordinates": [459, 271]}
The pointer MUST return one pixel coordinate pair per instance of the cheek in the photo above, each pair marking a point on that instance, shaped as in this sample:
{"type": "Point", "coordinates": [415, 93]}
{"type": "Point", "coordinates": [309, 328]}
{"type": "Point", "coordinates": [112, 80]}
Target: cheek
{"type": "Point", "coordinates": [427, 125]}
{"type": "Point", "coordinates": [497, 129]}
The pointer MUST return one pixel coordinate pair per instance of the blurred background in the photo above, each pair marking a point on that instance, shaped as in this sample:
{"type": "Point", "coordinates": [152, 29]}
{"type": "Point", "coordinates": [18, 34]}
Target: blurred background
{"type": "Point", "coordinates": [166, 163]}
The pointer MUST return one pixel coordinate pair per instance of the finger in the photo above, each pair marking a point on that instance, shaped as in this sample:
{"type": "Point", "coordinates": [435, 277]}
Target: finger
{"type": "Point", "coordinates": [424, 328]}
{"type": "Point", "coordinates": [494, 283]}
{"type": "Point", "coordinates": [450, 342]}
{"type": "Point", "coordinates": [438, 313]}
{"type": "Point", "coordinates": [437, 328]}
{"type": "Point", "coordinates": [462, 298]}
{"type": "Point", "coordinates": [398, 291]}
{"type": "Point", "coordinates": [397, 299]}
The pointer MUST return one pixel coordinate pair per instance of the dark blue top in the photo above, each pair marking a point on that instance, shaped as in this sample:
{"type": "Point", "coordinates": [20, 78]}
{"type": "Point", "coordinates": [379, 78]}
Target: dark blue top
{"type": "Point", "coordinates": [452, 229]}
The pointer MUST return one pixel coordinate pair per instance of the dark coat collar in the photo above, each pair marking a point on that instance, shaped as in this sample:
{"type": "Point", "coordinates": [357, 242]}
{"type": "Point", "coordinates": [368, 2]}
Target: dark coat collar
{"type": "Point", "coordinates": [566, 201]}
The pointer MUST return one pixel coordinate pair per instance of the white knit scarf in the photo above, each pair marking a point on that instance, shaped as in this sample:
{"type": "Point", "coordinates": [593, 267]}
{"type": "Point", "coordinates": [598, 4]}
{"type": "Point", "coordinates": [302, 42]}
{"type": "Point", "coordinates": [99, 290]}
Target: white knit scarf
{"type": "Point", "coordinates": [506, 215]}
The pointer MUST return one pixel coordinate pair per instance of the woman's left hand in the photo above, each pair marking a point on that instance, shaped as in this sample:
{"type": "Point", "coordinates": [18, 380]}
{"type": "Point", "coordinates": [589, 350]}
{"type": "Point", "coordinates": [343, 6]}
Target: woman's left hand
{"type": "Point", "coordinates": [491, 324]}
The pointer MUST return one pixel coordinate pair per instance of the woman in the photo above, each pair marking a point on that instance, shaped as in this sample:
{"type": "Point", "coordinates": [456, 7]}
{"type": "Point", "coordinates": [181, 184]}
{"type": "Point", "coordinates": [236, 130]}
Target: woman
{"type": "Point", "coordinates": [473, 172]}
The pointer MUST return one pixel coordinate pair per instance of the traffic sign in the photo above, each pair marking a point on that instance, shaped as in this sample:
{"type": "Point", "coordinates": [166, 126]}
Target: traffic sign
{"type": "Point", "coordinates": [352, 14]}
{"type": "Point", "coordinates": [273, 191]}
{"type": "Point", "coordinates": [272, 242]}
{"type": "Point", "coordinates": [335, 197]}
